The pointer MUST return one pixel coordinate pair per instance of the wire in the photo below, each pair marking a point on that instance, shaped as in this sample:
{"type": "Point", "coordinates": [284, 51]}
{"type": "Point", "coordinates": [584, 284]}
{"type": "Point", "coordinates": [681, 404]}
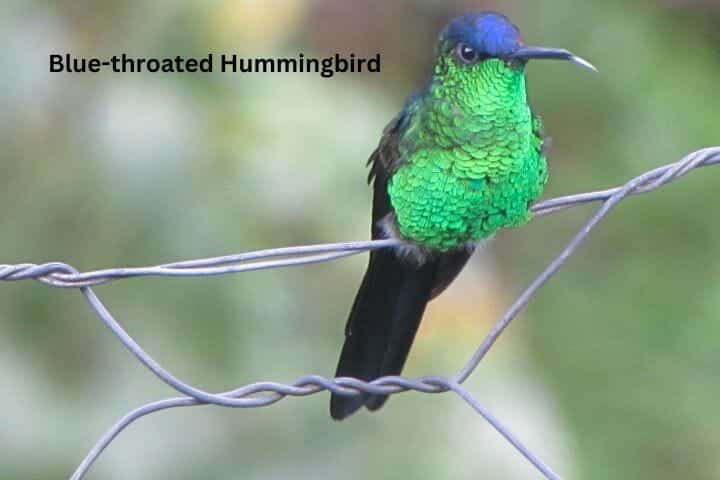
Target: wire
{"type": "Point", "coordinates": [262, 394]}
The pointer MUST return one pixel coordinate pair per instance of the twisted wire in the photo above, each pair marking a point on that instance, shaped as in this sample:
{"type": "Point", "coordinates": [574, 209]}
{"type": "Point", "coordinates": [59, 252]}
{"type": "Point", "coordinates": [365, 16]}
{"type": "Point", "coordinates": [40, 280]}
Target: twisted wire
{"type": "Point", "coordinates": [261, 394]}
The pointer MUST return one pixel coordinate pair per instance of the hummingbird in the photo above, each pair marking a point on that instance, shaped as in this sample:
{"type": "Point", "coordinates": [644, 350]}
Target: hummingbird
{"type": "Point", "coordinates": [464, 158]}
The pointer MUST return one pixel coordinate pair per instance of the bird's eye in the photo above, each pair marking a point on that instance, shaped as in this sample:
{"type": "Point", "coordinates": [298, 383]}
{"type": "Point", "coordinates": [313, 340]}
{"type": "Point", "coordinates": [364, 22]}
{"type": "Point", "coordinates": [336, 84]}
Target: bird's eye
{"type": "Point", "coordinates": [466, 54]}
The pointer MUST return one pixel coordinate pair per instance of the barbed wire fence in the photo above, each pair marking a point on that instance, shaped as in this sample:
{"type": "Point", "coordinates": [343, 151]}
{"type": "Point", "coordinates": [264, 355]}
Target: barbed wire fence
{"type": "Point", "coordinates": [261, 394]}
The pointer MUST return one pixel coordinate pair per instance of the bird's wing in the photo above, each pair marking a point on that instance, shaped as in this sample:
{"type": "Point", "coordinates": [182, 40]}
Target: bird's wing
{"type": "Point", "coordinates": [395, 290]}
{"type": "Point", "coordinates": [387, 158]}
{"type": "Point", "coordinates": [385, 161]}
{"type": "Point", "coordinates": [392, 296]}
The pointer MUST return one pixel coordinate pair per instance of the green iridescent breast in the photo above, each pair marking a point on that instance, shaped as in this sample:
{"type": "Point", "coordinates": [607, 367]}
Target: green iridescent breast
{"type": "Point", "coordinates": [468, 170]}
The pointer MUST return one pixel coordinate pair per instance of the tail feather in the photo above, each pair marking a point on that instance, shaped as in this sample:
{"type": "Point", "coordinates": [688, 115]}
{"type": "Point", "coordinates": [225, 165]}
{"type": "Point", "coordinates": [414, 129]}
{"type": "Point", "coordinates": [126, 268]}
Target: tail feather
{"type": "Point", "coordinates": [393, 294]}
{"type": "Point", "coordinates": [382, 324]}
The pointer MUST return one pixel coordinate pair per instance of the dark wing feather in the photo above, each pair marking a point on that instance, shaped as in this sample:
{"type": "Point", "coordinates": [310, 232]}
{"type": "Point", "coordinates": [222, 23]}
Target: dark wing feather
{"type": "Point", "coordinates": [391, 300]}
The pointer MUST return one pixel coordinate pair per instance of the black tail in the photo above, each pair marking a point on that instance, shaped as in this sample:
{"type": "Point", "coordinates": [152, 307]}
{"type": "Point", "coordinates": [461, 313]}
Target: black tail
{"type": "Point", "coordinates": [382, 324]}
{"type": "Point", "coordinates": [393, 294]}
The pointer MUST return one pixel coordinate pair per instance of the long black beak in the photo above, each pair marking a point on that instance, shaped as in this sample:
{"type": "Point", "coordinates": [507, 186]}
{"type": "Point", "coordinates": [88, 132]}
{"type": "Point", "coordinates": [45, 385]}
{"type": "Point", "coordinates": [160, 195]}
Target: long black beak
{"type": "Point", "coordinates": [526, 53]}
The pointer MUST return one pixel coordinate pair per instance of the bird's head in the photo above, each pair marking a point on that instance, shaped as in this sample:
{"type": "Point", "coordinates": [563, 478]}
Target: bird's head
{"type": "Point", "coordinates": [487, 45]}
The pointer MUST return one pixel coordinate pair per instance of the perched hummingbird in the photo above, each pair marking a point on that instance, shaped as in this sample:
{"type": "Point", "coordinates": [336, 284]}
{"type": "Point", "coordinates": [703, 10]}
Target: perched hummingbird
{"type": "Point", "coordinates": [463, 159]}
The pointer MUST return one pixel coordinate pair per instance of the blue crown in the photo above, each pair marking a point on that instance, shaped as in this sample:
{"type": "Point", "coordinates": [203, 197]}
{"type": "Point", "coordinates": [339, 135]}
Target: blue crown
{"type": "Point", "coordinates": [490, 33]}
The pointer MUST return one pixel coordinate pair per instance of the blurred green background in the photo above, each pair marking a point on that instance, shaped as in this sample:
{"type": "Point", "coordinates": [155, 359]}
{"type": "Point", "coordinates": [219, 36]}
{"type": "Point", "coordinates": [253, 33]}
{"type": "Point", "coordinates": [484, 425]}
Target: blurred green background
{"type": "Point", "coordinates": [611, 372]}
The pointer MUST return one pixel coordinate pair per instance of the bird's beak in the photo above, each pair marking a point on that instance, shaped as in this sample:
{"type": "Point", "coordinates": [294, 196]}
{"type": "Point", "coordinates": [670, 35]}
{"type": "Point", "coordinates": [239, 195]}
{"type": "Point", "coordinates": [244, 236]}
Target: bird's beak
{"type": "Point", "coordinates": [526, 53]}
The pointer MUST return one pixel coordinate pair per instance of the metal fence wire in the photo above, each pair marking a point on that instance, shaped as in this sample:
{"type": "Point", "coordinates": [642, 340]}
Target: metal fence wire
{"type": "Point", "coordinates": [261, 394]}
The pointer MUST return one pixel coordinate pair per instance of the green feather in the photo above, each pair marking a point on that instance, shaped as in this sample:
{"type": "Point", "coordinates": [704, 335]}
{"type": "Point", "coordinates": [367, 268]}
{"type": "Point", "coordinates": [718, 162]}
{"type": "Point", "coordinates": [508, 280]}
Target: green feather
{"type": "Point", "coordinates": [472, 156]}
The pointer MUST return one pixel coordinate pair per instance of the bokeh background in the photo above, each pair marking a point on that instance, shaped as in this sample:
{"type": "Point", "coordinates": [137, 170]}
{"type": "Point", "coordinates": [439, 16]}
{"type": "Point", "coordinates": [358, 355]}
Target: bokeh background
{"type": "Point", "coordinates": [611, 372]}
